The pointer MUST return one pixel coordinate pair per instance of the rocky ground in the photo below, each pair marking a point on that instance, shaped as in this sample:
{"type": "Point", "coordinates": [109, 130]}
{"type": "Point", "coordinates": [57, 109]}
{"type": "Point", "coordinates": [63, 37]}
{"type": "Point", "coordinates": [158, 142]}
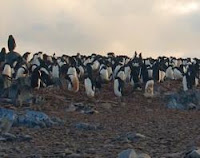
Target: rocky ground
{"type": "Point", "coordinates": [108, 127]}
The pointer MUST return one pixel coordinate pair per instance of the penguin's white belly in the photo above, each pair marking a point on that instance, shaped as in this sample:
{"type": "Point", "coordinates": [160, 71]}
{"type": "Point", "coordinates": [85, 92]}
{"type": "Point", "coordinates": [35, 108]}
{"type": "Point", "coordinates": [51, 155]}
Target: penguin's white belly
{"type": "Point", "coordinates": [74, 84]}
{"type": "Point", "coordinates": [177, 74]}
{"type": "Point", "coordinates": [88, 88]}
{"type": "Point", "coordinates": [55, 72]}
{"type": "Point", "coordinates": [184, 82]}
{"type": "Point", "coordinates": [7, 70]}
{"type": "Point", "coordinates": [150, 73]}
{"type": "Point", "coordinates": [104, 74]}
{"type": "Point", "coordinates": [196, 81]}
{"type": "Point", "coordinates": [161, 76]}
{"type": "Point", "coordinates": [149, 88]}
{"type": "Point", "coordinates": [116, 90]}
{"type": "Point", "coordinates": [20, 73]}
{"type": "Point", "coordinates": [170, 74]}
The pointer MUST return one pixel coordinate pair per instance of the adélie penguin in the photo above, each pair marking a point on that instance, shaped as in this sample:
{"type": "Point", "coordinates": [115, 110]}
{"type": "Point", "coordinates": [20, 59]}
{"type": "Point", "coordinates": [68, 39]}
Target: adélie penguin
{"type": "Point", "coordinates": [89, 86]}
{"type": "Point", "coordinates": [118, 87]}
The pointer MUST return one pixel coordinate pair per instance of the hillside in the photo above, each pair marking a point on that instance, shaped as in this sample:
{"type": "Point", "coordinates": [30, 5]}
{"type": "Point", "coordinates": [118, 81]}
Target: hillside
{"type": "Point", "coordinates": [160, 130]}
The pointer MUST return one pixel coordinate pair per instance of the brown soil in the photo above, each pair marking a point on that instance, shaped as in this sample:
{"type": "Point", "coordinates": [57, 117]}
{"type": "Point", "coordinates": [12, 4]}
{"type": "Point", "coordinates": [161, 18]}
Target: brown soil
{"type": "Point", "coordinates": [166, 131]}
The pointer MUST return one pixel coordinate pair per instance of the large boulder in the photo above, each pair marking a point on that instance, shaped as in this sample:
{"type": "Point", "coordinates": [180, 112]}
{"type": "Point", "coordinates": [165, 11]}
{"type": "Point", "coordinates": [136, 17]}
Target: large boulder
{"type": "Point", "coordinates": [183, 100]}
{"type": "Point", "coordinates": [28, 118]}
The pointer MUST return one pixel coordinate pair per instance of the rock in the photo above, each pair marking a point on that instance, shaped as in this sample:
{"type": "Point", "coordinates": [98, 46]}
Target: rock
{"type": "Point", "coordinates": [173, 155]}
{"type": "Point", "coordinates": [24, 138]}
{"type": "Point", "coordinates": [173, 104]}
{"type": "Point", "coordinates": [26, 118]}
{"type": "Point", "coordinates": [183, 100]}
{"type": "Point", "coordinates": [191, 106]}
{"type": "Point", "coordinates": [5, 125]}
{"type": "Point", "coordinates": [106, 105]}
{"type": "Point", "coordinates": [12, 137]}
{"type": "Point", "coordinates": [71, 108]}
{"type": "Point", "coordinates": [87, 126]}
{"type": "Point", "coordinates": [80, 107]}
{"type": "Point", "coordinates": [129, 137]}
{"type": "Point", "coordinates": [129, 153]}
{"type": "Point", "coordinates": [9, 137]}
{"type": "Point", "coordinates": [143, 156]}
{"type": "Point", "coordinates": [68, 151]}
{"type": "Point", "coordinates": [193, 154]}
{"type": "Point", "coordinates": [74, 155]}
{"type": "Point", "coordinates": [2, 139]}
{"type": "Point", "coordinates": [140, 135]}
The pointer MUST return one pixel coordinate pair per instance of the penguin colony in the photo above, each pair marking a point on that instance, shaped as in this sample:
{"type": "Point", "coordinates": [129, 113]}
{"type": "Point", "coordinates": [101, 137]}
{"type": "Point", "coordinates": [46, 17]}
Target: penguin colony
{"type": "Point", "coordinates": [44, 70]}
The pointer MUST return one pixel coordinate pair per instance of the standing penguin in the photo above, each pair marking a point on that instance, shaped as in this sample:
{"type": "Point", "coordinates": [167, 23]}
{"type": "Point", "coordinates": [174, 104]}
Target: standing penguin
{"type": "Point", "coordinates": [104, 73]}
{"type": "Point", "coordinates": [11, 56]}
{"type": "Point", "coordinates": [36, 78]}
{"type": "Point", "coordinates": [11, 43]}
{"type": "Point", "coordinates": [89, 86]}
{"type": "Point", "coordinates": [89, 82]}
{"type": "Point", "coordinates": [21, 72]}
{"type": "Point", "coordinates": [55, 71]}
{"type": "Point", "coordinates": [170, 73]}
{"type": "Point", "coordinates": [184, 82]}
{"type": "Point", "coordinates": [26, 56]}
{"type": "Point", "coordinates": [72, 77]}
{"type": "Point", "coordinates": [161, 76]}
{"type": "Point", "coordinates": [2, 56]}
{"type": "Point", "coordinates": [121, 74]}
{"type": "Point", "coordinates": [118, 87]}
{"type": "Point", "coordinates": [177, 74]}
{"type": "Point", "coordinates": [7, 75]}
{"type": "Point", "coordinates": [73, 84]}
{"type": "Point", "coordinates": [149, 88]}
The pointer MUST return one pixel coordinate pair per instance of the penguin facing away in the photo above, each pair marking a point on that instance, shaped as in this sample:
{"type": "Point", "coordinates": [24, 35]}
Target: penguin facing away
{"type": "Point", "coordinates": [36, 78]}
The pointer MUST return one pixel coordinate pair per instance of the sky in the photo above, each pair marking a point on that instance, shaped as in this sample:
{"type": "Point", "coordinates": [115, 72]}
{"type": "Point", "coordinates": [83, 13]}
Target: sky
{"type": "Point", "coordinates": [153, 27]}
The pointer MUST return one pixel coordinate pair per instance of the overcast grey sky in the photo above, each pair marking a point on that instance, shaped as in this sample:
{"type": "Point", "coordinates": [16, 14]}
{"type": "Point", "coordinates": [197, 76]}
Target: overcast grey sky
{"type": "Point", "coordinates": [154, 27]}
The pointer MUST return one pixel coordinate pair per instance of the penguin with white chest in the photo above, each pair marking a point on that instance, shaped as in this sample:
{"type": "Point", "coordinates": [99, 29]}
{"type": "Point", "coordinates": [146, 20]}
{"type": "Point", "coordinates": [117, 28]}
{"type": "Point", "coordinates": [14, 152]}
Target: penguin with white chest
{"type": "Point", "coordinates": [22, 72]}
{"type": "Point", "coordinates": [104, 73]}
{"type": "Point", "coordinates": [73, 84]}
{"type": "Point", "coordinates": [89, 86]}
{"type": "Point", "coordinates": [7, 75]}
{"type": "Point", "coordinates": [170, 73]}
{"type": "Point", "coordinates": [149, 88]}
{"type": "Point", "coordinates": [89, 82]}
{"type": "Point", "coordinates": [118, 87]}
{"type": "Point", "coordinates": [119, 83]}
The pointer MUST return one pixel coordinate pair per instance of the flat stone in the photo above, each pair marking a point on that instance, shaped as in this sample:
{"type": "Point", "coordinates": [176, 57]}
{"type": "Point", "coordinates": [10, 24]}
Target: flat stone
{"type": "Point", "coordinates": [129, 153]}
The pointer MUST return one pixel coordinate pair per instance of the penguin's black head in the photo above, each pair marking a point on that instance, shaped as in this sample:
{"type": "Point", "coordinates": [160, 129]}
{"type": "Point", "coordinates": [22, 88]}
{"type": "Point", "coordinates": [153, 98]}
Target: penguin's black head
{"type": "Point", "coordinates": [3, 50]}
